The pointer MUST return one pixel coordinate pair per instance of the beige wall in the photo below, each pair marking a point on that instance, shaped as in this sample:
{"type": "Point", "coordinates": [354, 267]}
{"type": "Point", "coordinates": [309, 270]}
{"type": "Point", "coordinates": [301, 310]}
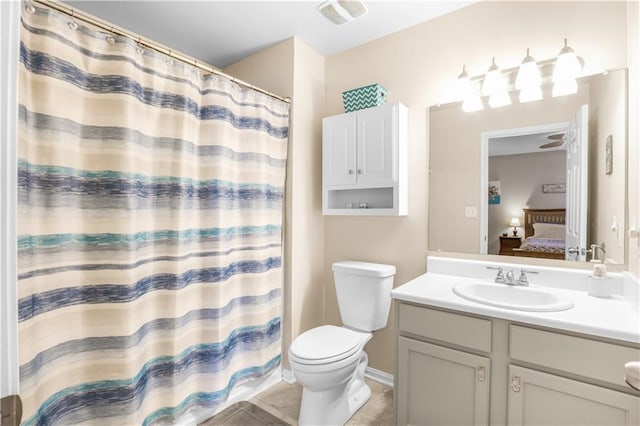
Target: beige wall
{"type": "Point", "coordinates": [292, 69]}
{"type": "Point", "coordinates": [414, 65]}
{"type": "Point", "coordinates": [521, 178]}
{"type": "Point", "coordinates": [455, 173]}
{"type": "Point", "coordinates": [606, 118]}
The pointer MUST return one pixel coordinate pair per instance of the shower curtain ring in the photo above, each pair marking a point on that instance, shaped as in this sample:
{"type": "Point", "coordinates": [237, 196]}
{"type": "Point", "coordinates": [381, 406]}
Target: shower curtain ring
{"type": "Point", "coordinates": [73, 24]}
{"type": "Point", "coordinates": [110, 38]}
{"type": "Point", "coordinates": [139, 48]}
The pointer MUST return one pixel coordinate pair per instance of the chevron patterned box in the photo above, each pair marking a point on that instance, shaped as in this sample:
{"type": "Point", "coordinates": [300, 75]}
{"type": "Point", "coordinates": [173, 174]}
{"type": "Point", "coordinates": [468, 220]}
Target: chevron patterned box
{"type": "Point", "coordinates": [364, 97]}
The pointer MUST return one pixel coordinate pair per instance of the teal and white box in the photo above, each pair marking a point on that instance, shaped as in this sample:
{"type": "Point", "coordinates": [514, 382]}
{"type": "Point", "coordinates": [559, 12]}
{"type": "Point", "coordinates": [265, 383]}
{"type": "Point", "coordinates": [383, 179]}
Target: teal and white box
{"type": "Point", "coordinates": [364, 97]}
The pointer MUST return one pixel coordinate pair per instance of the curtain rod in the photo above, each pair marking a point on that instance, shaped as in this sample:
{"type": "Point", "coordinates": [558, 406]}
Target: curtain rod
{"type": "Point", "coordinates": [104, 25]}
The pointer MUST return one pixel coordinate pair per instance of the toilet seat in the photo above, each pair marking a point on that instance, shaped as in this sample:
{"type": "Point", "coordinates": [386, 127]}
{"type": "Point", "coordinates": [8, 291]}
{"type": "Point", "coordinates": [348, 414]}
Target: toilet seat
{"type": "Point", "coordinates": [325, 345]}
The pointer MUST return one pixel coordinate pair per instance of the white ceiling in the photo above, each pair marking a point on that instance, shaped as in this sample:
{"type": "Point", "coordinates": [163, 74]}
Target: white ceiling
{"type": "Point", "coordinates": [223, 32]}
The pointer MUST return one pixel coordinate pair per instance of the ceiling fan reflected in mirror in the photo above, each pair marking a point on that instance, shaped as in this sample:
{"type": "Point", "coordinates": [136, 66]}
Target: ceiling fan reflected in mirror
{"type": "Point", "coordinates": [556, 140]}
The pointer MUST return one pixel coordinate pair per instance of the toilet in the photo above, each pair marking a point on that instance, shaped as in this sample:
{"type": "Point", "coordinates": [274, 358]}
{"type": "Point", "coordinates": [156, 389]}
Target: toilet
{"type": "Point", "coordinates": [328, 361]}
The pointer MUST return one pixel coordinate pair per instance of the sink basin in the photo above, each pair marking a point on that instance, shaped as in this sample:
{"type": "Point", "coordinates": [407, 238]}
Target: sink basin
{"type": "Point", "coordinates": [514, 297]}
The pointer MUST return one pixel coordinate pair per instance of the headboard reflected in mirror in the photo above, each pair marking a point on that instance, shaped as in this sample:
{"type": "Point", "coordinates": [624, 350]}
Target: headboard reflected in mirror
{"type": "Point", "coordinates": [461, 218]}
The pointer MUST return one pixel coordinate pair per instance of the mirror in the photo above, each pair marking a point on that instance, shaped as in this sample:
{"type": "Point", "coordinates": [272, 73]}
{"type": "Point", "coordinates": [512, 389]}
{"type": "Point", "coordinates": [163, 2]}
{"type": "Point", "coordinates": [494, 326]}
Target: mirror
{"type": "Point", "coordinates": [470, 152]}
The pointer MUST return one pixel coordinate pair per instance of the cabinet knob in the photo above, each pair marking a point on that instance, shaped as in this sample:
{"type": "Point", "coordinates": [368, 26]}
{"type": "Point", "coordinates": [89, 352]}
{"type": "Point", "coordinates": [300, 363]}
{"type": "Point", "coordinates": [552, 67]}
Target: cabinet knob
{"type": "Point", "coordinates": [350, 171]}
{"type": "Point", "coordinates": [359, 171]}
{"type": "Point", "coordinates": [481, 374]}
{"type": "Point", "coordinates": [515, 383]}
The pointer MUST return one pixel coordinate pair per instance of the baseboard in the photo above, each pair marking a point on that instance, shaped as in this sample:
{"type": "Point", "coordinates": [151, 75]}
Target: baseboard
{"type": "Point", "coordinates": [287, 376]}
{"type": "Point", "coordinates": [379, 376]}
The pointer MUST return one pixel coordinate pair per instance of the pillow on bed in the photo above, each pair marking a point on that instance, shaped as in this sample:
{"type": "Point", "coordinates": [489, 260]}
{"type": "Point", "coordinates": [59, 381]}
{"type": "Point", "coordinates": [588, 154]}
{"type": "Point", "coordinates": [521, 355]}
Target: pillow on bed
{"type": "Point", "coordinates": [549, 230]}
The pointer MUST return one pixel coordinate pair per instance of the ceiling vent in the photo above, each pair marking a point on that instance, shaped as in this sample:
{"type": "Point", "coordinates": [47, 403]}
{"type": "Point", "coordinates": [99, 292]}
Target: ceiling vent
{"type": "Point", "coordinates": [342, 11]}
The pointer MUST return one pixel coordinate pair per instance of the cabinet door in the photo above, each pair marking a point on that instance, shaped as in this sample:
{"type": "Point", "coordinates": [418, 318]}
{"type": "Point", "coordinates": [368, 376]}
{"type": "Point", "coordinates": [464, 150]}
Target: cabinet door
{"type": "Point", "coordinates": [440, 386]}
{"type": "Point", "coordinates": [537, 398]}
{"type": "Point", "coordinates": [377, 147]}
{"type": "Point", "coordinates": [339, 149]}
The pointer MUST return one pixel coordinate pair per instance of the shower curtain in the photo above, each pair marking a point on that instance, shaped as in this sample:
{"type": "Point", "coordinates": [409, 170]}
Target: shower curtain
{"type": "Point", "coordinates": [149, 230]}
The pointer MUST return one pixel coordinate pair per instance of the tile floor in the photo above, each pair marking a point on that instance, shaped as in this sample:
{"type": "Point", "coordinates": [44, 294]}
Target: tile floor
{"type": "Point", "coordinates": [282, 402]}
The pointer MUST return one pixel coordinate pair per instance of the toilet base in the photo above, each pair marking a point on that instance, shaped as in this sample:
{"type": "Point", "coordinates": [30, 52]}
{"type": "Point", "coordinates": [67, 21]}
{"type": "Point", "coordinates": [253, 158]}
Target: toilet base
{"type": "Point", "coordinates": [336, 405]}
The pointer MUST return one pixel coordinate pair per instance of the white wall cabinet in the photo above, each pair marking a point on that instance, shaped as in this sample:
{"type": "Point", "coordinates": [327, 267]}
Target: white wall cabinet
{"type": "Point", "coordinates": [454, 368]}
{"type": "Point", "coordinates": [364, 162]}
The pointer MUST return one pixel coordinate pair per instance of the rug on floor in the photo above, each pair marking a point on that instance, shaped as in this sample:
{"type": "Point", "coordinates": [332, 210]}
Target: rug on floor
{"type": "Point", "coordinates": [244, 413]}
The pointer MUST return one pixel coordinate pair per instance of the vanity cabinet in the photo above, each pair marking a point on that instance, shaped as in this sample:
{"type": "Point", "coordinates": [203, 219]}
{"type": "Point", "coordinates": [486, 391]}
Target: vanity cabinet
{"type": "Point", "coordinates": [538, 398]}
{"type": "Point", "coordinates": [458, 368]}
{"type": "Point", "coordinates": [364, 162]}
{"type": "Point", "coordinates": [441, 386]}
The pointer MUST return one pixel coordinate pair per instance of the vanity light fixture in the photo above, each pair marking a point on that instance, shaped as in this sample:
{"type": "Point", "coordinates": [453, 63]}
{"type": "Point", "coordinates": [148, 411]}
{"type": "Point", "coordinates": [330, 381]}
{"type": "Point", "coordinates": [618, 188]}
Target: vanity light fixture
{"type": "Point", "coordinates": [495, 86]}
{"type": "Point", "coordinates": [566, 71]}
{"type": "Point", "coordinates": [463, 84]}
{"type": "Point", "coordinates": [472, 102]}
{"type": "Point", "coordinates": [468, 93]}
{"type": "Point", "coordinates": [493, 81]}
{"type": "Point", "coordinates": [528, 80]}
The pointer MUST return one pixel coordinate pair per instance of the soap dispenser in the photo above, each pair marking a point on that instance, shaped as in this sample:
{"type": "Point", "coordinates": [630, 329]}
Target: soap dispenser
{"type": "Point", "coordinates": [599, 283]}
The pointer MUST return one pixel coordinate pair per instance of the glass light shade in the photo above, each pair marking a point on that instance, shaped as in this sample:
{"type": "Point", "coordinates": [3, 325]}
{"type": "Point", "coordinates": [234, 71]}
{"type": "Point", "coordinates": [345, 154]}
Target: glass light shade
{"type": "Point", "coordinates": [528, 74]}
{"type": "Point", "coordinates": [493, 82]}
{"type": "Point", "coordinates": [529, 94]}
{"type": "Point", "coordinates": [463, 86]}
{"type": "Point", "coordinates": [472, 103]}
{"type": "Point", "coordinates": [565, 87]}
{"type": "Point", "coordinates": [501, 98]}
{"type": "Point", "coordinates": [515, 222]}
{"type": "Point", "coordinates": [567, 65]}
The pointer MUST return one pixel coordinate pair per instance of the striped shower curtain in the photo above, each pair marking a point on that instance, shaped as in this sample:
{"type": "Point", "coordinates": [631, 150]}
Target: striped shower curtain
{"type": "Point", "coordinates": [150, 221]}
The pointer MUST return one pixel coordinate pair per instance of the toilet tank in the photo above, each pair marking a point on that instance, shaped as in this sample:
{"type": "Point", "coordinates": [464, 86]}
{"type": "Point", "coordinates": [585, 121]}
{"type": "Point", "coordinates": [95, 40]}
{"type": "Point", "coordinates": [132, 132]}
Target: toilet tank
{"type": "Point", "coordinates": [364, 293]}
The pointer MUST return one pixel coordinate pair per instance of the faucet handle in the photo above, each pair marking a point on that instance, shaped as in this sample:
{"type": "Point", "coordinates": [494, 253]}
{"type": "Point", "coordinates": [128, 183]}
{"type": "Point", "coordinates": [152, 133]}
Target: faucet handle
{"type": "Point", "coordinates": [500, 275]}
{"type": "Point", "coordinates": [523, 276]}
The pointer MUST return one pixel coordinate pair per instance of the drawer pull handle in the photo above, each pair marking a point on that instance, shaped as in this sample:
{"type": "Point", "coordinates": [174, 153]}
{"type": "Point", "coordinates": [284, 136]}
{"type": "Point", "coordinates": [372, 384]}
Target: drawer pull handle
{"type": "Point", "coordinates": [481, 374]}
{"type": "Point", "coordinates": [515, 383]}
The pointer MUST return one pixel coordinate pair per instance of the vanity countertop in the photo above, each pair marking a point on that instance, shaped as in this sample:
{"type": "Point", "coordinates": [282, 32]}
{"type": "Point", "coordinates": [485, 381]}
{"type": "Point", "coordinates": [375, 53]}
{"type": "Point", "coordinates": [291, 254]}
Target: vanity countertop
{"type": "Point", "coordinates": [612, 318]}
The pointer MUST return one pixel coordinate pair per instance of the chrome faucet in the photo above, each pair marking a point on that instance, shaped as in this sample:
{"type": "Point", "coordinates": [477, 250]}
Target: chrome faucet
{"type": "Point", "coordinates": [509, 277]}
{"type": "Point", "coordinates": [522, 280]}
{"type": "Point", "coordinates": [500, 275]}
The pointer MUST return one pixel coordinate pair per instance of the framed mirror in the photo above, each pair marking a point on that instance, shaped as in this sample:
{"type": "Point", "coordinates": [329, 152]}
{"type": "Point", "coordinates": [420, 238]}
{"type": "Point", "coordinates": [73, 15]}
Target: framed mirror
{"type": "Point", "coordinates": [506, 169]}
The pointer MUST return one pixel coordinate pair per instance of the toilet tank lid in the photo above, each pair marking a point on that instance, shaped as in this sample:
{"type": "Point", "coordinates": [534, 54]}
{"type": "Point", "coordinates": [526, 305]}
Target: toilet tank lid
{"type": "Point", "coordinates": [364, 268]}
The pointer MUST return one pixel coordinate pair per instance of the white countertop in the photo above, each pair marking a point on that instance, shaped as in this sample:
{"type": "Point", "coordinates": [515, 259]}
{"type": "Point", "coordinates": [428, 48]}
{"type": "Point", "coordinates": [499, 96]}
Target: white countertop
{"type": "Point", "coordinates": [613, 318]}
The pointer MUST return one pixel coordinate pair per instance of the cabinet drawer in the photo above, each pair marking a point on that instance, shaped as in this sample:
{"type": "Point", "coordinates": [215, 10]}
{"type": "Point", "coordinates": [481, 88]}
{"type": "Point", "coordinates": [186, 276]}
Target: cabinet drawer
{"type": "Point", "coordinates": [575, 355]}
{"type": "Point", "coordinates": [462, 330]}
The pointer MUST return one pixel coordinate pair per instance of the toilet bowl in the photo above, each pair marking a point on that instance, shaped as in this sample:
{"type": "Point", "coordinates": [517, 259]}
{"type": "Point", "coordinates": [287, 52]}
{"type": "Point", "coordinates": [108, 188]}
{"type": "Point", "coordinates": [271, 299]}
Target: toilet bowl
{"type": "Point", "coordinates": [329, 361]}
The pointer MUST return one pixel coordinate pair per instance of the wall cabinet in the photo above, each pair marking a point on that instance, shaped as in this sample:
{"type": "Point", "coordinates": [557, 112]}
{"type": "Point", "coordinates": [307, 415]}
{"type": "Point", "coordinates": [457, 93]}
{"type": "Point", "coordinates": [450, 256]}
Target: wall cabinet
{"type": "Point", "coordinates": [454, 368]}
{"type": "Point", "coordinates": [364, 162]}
